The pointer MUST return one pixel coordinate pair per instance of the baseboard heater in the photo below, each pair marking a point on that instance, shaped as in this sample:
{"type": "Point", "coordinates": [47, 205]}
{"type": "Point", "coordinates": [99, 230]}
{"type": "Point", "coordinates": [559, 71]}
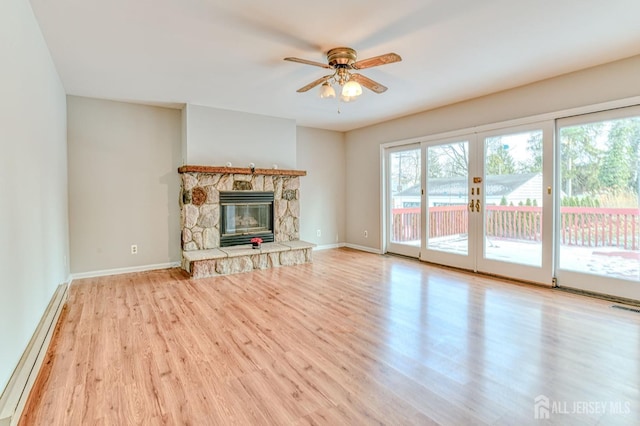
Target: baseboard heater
{"type": "Point", "coordinates": [16, 393]}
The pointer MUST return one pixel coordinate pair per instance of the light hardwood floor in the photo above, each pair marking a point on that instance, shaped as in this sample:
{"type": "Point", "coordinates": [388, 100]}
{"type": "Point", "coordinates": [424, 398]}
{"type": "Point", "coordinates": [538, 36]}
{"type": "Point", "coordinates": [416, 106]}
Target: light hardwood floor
{"type": "Point", "coordinates": [353, 338]}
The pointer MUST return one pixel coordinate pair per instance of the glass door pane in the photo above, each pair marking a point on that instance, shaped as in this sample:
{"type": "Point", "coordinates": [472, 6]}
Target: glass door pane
{"type": "Point", "coordinates": [513, 198]}
{"type": "Point", "coordinates": [598, 224]}
{"type": "Point", "coordinates": [448, 197]}
{"type": "Point", "coordinates": [404, 167]}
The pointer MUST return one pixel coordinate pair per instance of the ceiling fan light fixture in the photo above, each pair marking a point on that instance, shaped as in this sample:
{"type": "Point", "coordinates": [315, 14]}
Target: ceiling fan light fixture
{"type": "Point", "coordinates": [351, 89]}
{"type": "Point", "coordinates": [347, 99]}
{"type": "Point", "coordinates": [327, 91]}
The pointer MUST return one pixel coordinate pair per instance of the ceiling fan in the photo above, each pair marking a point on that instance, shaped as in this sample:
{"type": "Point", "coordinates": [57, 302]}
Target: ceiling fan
{"type": "Point", "coordinates": [343, 60]}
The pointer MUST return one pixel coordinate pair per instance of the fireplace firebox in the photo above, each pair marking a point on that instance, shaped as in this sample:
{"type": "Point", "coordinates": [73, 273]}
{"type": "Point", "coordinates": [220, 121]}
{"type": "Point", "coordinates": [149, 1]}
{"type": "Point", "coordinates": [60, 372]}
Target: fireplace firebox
{"type": "Point", "coordinates": [245, 215]}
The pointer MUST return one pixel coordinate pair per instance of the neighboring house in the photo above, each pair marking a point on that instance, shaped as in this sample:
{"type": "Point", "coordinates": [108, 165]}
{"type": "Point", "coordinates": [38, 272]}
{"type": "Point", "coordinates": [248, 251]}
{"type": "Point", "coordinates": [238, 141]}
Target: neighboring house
{"type": "Point", "coordinates": [453, 191]}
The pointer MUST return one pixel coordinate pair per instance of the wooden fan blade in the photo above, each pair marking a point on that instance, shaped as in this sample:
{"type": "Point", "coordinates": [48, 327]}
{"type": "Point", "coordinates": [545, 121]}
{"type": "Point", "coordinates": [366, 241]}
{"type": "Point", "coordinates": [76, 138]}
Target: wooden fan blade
{"type": "Point", "coordinates": [387, 58]}
{"type": "Point", "coordinates": [305, 61]}
{"type": "Point", "coordinates": [314, 83]}
{"type": "Point", "coordinates": [368, 83]}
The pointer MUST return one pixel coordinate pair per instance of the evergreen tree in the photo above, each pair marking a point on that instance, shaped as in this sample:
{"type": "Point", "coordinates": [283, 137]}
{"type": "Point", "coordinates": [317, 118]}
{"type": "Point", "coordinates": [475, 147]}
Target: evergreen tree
{"type": "Point", "coordinates": [580, 157]}
{"type": "Point", "coordinates": [616, 171]}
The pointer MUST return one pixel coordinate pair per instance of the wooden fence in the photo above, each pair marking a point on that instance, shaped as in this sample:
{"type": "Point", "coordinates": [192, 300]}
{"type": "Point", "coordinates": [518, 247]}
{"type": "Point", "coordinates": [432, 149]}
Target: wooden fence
{"type": "Point", "coordinates": [580, 226]}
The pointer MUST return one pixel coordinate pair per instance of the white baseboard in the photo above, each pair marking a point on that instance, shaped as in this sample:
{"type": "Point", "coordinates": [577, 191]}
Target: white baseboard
{"type": "Point", "coordinates": [363, 248]}
{"type": "Point", "coordinates": [118, 271]}
{"type": "Point", "coordinates": [17, 391]}
{"type": "Point", "coordinates": [352, 246]}
{"type": "Point", "coordinates": [328, 246]}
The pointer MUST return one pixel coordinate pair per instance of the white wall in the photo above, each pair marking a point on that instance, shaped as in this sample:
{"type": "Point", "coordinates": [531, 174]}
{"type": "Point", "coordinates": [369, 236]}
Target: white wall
{"type": "Point", "coordinates": [617, 80]}
{"type": "Point", "coordinates": [216, 136]}
{"type": "Point", "coordinates": [123, 184]}
{"type": "Point", "coordinates": [322, 206]}
{"type": "Point", "coordinates": [33, 181]}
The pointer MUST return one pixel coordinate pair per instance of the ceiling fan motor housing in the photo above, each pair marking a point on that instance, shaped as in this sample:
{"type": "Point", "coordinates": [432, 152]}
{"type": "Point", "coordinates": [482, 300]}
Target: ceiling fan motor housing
{"type": "Point", "coordinates": [341, 56]}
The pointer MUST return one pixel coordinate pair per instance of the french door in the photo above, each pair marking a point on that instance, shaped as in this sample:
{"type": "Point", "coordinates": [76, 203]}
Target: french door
{"type": "Point", "coordinates": [516, 195]}
{"type": "Point", "coordinates": [450, 232]}
{"type": "Point", "coordinates": [488, 203]}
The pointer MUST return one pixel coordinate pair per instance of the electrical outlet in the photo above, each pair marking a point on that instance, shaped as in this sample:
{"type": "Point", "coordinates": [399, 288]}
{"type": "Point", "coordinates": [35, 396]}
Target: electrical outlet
{"type": "Point", "coordinates": [134, 249]}
{"type": "Point", "coordinates": [366, 234]}
{"type": "Point", "coordinates": [318, 233]}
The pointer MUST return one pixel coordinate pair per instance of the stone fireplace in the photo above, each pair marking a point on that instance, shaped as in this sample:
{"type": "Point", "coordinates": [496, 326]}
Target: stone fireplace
{"type": "Point", "coordinates": [222, 208]}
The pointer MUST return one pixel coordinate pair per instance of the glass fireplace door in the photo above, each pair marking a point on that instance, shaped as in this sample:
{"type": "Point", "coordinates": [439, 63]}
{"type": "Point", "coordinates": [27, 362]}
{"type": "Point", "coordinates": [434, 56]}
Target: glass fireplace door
{"type": "Point", "coordinates": [245, 215]}
{"type": "Point", "coordinates": [246, 219]}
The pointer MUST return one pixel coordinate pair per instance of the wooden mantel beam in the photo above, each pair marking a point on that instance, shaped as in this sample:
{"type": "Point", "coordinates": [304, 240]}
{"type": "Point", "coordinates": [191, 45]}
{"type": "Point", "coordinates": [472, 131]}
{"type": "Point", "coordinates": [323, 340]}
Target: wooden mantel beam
{"type": "Point", "coordinates": [240, 171]}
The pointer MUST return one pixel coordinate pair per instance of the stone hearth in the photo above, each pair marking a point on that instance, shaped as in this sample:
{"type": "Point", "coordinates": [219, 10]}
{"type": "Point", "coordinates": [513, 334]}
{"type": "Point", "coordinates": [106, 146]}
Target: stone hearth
{"type": "Point", "coordinates": [200, 217]}
{"type": "Point", "coordinates": [244, 258]}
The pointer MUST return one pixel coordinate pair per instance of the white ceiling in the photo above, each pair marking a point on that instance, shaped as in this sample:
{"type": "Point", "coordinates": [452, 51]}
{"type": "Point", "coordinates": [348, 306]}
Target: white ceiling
{"type": "Point", "coordinates": [228, 54]}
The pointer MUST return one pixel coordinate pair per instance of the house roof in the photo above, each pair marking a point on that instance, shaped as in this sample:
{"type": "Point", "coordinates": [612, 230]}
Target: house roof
{"type": "Point", "coordinates": [495, 185]}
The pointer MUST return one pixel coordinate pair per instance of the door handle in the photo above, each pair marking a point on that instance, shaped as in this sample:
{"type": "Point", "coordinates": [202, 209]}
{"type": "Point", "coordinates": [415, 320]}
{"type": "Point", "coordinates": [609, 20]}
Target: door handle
{"type": "Point", "coordinates": [477, 206]}
{"type": "Point", "coordinates": [471, 206]}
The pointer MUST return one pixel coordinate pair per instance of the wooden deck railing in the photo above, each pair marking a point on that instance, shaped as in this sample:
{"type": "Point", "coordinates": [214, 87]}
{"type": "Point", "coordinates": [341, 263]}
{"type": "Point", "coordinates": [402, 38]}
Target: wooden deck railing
{"type": "Point", "coordinates": [405, 224]}
{"type": "Point", "coordinates": [580, 226]}
{"type": "Point", "coordinates": [514, 222]}
{"type": "Point", "coordinates": [600, 227]}
{"type": "Point", "coordinates": [447, 220]}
